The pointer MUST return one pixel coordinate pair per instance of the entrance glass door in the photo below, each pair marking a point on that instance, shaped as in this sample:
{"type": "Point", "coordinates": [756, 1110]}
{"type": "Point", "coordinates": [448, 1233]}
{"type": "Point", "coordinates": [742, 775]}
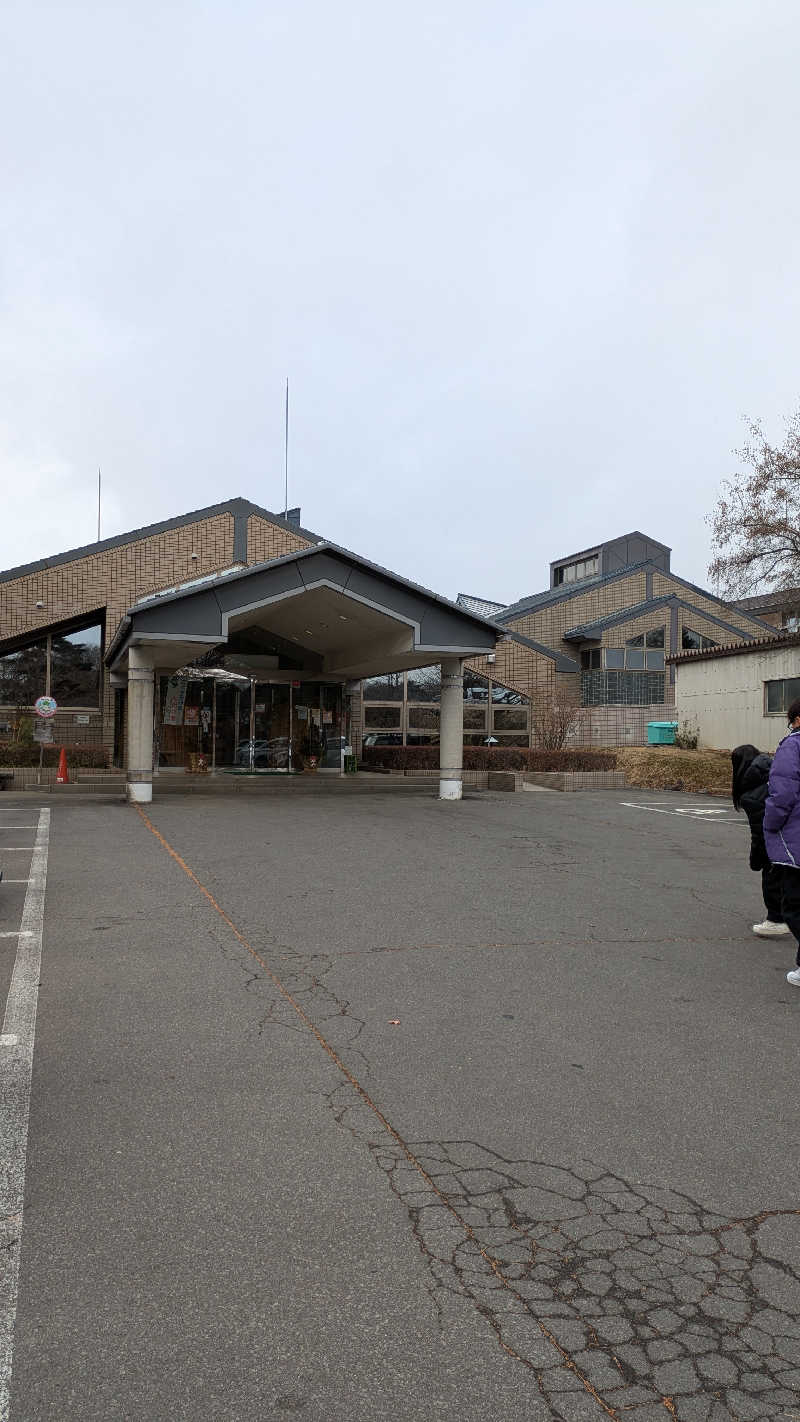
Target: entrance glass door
{"type": "Point", "coordinates": [316, 726]}
{"type": "Point", "coordinates": [270, 726]}
{"type": "Point", "coordinates": [257, 722]}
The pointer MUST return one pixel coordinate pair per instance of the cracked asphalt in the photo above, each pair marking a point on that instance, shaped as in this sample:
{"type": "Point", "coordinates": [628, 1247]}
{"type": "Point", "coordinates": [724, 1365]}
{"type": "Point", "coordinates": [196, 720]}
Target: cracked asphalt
{"type": "Point", "coordinates": [372, 1105]}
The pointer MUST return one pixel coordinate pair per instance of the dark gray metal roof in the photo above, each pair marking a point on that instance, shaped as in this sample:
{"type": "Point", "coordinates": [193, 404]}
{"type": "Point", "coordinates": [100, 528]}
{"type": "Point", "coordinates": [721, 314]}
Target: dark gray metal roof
{"type": "Point", "coordinates": [204, 589]}
{"type": "Point", "coordinates": [239, 509]}
{"type": "Point", "coordinates": [563, 663]}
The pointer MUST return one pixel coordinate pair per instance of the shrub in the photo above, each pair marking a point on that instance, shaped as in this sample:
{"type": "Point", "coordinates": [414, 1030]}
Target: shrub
{"type": "Point", "coordinates": [14, 756]}
{"type": "Point", "coordinates": [669, 768]}
{"type": "Point", "coordinates": [488, 758]}
{"type": "Point", "coordinates": [687, 736]}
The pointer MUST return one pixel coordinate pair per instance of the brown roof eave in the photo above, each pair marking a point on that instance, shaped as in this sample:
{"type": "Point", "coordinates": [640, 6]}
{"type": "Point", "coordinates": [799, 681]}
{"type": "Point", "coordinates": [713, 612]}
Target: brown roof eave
{"type": "Point", "coordinates": [735, 649]}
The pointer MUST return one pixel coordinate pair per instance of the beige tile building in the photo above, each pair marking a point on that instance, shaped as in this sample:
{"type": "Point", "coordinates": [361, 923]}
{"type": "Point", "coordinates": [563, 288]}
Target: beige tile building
{"type": "Point", "coordinates": [600, 636]}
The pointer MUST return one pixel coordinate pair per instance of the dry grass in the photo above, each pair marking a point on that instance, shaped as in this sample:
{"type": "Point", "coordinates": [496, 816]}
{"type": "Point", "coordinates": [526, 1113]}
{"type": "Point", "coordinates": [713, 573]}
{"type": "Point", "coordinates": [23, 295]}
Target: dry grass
{"type": "Point", "coordinates": [667, 768]}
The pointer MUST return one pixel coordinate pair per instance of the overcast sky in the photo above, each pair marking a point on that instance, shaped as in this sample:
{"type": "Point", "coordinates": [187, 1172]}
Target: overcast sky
{"type": "Point", "coordinates": [526, 264]}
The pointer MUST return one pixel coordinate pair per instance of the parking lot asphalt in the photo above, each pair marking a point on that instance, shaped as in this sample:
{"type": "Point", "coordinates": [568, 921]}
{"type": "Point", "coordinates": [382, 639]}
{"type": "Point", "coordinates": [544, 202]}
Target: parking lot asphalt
{"type": "Point", "coordinates": [368, 1106]}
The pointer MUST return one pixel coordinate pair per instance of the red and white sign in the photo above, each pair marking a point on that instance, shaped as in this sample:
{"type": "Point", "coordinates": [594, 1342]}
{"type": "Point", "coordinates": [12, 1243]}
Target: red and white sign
{"type": "Point", "coordinates": [45, 706]}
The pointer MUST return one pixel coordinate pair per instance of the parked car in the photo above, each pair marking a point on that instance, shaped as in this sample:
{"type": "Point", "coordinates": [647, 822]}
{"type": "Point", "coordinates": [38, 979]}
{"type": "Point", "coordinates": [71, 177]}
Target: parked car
{"type": "Point", "coordinates": [267, 754]}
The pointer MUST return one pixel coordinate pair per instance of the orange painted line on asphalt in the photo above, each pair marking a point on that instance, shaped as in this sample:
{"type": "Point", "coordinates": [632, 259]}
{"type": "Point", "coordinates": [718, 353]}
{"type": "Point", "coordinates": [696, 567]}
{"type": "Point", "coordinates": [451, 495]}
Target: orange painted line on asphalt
{"type": "Point", "coordinates": [389, 1128]}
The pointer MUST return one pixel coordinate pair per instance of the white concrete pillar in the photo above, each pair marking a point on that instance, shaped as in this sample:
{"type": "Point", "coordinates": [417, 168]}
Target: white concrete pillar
{"type": "Point", "coordinates": [140, 726]}
{"type": "Point", "coordinates": [451, 729]}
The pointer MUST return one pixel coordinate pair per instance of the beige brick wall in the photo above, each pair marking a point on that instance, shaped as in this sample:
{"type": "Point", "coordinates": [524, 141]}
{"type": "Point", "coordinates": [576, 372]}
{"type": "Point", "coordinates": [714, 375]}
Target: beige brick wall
{"type": "Point", "coordinates": [663, 585]}
{"type": "Point", "coordinates": [113, 579]}
{"type": "Point", "coordinates": [548, 624]}
{"type": "Point", "coordinates": [619, 635]}
{"type": "Point", "coordinates": [517, 666]}
{"type": "Point", "coordinates": [266, 540]}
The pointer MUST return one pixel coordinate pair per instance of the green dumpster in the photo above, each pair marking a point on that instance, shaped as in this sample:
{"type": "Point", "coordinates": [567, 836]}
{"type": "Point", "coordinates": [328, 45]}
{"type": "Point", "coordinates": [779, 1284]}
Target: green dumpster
{"type": "Point", "coordinates": [661, 733]}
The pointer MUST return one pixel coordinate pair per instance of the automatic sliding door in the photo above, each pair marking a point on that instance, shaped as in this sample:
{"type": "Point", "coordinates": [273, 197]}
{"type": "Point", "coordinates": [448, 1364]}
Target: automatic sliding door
{"type": "Point", "coordinates": [270, 726]}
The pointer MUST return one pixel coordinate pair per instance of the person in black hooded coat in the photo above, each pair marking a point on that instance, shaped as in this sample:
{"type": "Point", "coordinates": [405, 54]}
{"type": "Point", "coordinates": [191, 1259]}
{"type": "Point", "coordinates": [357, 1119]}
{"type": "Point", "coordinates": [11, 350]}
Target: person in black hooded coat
{"type": "Point", "coordinates": [749, 792]}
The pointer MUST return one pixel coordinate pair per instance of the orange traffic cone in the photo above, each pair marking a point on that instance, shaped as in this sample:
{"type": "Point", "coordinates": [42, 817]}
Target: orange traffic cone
{"type": "Point", "coordinates": [62, 778]}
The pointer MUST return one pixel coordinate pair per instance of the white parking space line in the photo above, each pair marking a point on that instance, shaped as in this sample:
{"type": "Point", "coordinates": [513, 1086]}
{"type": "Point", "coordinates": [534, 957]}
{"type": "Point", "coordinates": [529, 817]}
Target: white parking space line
{"type": "Point", "coordinates": [715, 814]}
{"type": "Point", "coordinates": [17, 848]}
{"type": "Point", "coordinates": [30, 827]}
{"type": "Point", "coordinates": [16, 881]}
{"type": "Point", "coordinates": [16, 1067]}
{"type": "Point", "coordinates": [17, 933]}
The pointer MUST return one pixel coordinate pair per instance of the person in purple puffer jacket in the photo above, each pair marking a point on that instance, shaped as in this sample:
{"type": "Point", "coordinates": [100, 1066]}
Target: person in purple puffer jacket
{"type": "Point", "coordinates": [782, 826]}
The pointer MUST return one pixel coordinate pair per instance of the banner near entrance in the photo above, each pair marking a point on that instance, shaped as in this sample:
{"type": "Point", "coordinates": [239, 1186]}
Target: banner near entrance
{"type": "Point", "coordinates": [175, 700]}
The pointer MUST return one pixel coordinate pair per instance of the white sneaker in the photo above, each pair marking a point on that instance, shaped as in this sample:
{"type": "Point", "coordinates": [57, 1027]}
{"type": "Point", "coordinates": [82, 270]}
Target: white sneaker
{"type": "Point", "coordinates": [794, 977]}
{"type": "Point", "coordinates": [769, 929]}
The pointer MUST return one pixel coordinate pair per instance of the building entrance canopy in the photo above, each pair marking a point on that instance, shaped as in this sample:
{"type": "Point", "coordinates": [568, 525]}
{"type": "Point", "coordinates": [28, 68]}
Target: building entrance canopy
{"type": "Point", "coordinates": [320, 614]}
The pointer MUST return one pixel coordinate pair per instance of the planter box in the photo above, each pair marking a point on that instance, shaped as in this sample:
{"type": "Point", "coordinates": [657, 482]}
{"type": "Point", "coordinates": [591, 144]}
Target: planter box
{"type": "Point", "coordinates": [505, 780]}
{"type": "Point", "coordinates": [575, 779]}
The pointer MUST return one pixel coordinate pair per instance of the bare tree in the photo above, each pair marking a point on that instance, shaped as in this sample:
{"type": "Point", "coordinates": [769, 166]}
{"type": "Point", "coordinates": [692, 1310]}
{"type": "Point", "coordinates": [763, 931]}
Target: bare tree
{"type": "Point", "coordinates": [755, 526]}
{"type": "Point", "coordinates": [554, 712]}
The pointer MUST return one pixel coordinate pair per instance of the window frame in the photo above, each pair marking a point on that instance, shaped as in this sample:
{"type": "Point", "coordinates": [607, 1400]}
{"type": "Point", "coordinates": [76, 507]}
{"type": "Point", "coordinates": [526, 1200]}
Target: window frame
{"type": "Point", "coordinates": [782, 681]}
{"type": "Point", "coordinates": [46, 635]}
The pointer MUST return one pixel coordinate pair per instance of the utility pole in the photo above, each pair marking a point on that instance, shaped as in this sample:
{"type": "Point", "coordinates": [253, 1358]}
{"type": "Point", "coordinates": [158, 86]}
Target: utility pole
{"type": "Point", "coordinates": [286, 455]}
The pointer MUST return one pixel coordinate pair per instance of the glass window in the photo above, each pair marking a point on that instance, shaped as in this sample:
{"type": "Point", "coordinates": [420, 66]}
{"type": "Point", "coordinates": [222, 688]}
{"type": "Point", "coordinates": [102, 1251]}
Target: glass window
{"type": "Point", "coordinates": [655, 661]}
{"type": "Point", "coordinates": [504, 696]}
{"type": "Point", "coordinates": [558, 577]}
{"type": "Point", "coordinates": [693, 642]}
{"type": "Point", "coordinates": [425, 683]}
{"type": "Point", "coordinates": [515, 740]}
{"type": "Point", "coordinates": [615, 656]}
{"type": "Point", "coordinates": [471, 739]}
{"type": "Point", "coordinates": [474, 718]}
{"type": "Point", "coordinates": [75, 666]}
{"type": "Point", "coordinates": [23, 675]}
{"type": "Point", "coordinates": [383, 716]}
{"type": "Point", "coordinates": [508, 720]}
{"type": "Point", "coordinates": [476, 688]}
{"type": "Point", "coordinates": [383, 738]}
{"type": "Point", "coordinates": [781, 694]}
{"type": "Point", "coordinates": [422, 718]}
{"type": "Point", "coordinates": [775, 697]}
{"type": "Point", "coordinates": [655, 637]}
{"type": "Point", "coordinates": [591, 658]}
{"type": "Point", "coordinates": [622, 688]}
{"type": "Point", "coordinates": [634, 659]}
{"type": "Point", "coordinates": [384, 688]}
{"type": "Point", "coordinates": [635, 641]}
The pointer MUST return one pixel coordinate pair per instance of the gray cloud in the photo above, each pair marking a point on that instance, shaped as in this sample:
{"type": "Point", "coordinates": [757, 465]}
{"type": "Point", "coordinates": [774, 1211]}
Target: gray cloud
{"type": "Point", "coordinates": [526, 266]}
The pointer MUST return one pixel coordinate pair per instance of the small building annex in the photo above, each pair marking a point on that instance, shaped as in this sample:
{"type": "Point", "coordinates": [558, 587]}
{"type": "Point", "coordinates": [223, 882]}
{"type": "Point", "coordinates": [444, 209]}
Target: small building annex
{"type": "Point", "coordinates": [739, 694]}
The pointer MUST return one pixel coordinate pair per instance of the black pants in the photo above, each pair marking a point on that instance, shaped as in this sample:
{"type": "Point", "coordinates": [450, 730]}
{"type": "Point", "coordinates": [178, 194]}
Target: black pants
{"type": "Point", "coordinates": [790, 901]}
{"type": "Point", "coordinates": [772, 889]}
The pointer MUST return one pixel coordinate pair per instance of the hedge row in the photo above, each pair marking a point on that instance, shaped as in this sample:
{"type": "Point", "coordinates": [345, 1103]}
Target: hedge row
{"type": "Point", "coordinates": [488, 758]}
{"type": "Point", "coordinates": [15, 756]}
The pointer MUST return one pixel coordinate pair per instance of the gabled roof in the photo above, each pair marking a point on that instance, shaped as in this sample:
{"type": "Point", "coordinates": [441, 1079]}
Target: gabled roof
{"type": "Point", "coordinates": [479, 604]}
{"type": "Point", "coordinates": [562, 594]}
{"type": "Point", "coordinates": [198, 592]}
{"type": "Point", "coordinates": [239, 509]}
{"type": "Point", "coordinates": [776, 600]}
{"type": "Point", "coordinates": [593, 631]}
